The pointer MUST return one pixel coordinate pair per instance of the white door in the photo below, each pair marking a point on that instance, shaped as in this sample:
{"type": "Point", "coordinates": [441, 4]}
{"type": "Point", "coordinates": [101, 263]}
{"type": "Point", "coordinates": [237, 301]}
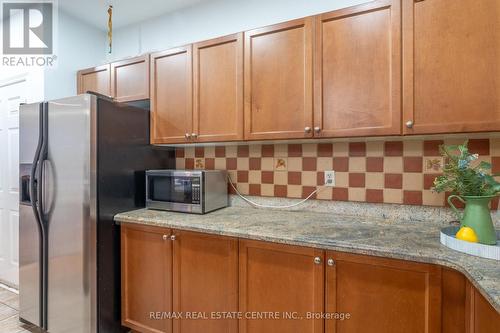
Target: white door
{"type": "Point", "coordinates": [11, 95]}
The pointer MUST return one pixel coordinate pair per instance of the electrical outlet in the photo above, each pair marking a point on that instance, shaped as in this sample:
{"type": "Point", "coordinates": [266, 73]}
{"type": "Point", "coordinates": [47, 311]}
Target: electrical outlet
{"type": "Point", "coordinates": [329, 178]}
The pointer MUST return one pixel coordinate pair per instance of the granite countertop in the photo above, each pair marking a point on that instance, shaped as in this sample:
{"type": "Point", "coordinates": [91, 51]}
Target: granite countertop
{"type": "Point", "coordinates": [416, 241]}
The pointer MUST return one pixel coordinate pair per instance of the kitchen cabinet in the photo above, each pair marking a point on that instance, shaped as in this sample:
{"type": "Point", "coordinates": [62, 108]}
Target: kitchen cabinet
{"type": "Point", "coordinates": [382, 295]}
{"type": "Point", "coordinates": [483, 317]}
{"type": "Point", "coordinates": [453, 301]}
{"type": "Point", "coordinates": [280, 280]}
{"type": "Point", "coordinates": [358, 71]}
{"type": "Point", "coordinates": [96, 79]}
{"type": "Point", "coordinates": [451, 67]}
{"type": "Point", "coordinates": [130, 79]}
{"type": "Point", "coordinates": [146, 266]}
{"type": "Point", "coordinates": [205, 280]}
{"type": "Point", "coordinates": [278, 81]}
{"type": "Point", "coordinates": [218, 89]}
{"type": "Point", "coordinates": [171, 95]}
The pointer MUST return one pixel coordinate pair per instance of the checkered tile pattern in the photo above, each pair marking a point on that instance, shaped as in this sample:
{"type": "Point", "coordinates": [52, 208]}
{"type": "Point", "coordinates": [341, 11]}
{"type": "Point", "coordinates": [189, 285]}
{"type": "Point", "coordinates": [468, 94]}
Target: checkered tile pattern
{"type": "Point", "coordinates": [374, 171]}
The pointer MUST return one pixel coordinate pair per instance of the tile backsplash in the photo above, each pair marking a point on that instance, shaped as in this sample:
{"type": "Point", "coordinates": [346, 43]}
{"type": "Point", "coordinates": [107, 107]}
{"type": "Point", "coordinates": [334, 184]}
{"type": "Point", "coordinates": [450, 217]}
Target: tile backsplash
{"type": "Point", "coordinates": [374, 171]}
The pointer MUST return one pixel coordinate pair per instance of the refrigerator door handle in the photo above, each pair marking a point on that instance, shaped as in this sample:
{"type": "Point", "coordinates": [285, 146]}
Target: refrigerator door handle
{"type": "Point", "coordinates": [33, 184]}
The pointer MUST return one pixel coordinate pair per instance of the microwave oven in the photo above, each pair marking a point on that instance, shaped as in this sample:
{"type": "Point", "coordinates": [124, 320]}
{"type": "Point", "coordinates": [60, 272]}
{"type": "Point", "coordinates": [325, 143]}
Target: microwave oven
{"type": "Point", "coordinates": [189, 191]}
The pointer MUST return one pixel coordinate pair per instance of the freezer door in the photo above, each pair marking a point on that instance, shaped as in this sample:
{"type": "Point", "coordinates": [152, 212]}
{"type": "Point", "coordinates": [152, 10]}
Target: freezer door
{"type": "Point", "coordinates": [69, 197]}
{"type": "Point", "coordinates": [29, 237]}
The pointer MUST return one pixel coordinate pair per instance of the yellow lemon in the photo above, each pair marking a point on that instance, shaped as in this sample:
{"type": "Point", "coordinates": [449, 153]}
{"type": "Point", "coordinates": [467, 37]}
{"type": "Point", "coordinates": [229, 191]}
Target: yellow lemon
{"type": "Point", "coordinates": [467, 234]}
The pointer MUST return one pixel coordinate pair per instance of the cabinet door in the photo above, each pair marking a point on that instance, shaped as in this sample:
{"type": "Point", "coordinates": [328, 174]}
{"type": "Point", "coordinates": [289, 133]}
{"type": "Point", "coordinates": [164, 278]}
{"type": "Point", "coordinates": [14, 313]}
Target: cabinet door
{"type": "Point", "coordinates": [218, 89]}
{"type": "Point", "coordinates": [382, 295]}
{"type": "Point", "coordinates": [451, 66]}
{"type": "Point", "coordinates": [483, 317]}
{"type": "Point", "coordinates": [358, 71]}
{"type": "Point", "coordinates": [453, 301]}
{"type": "Point", "coordinates": [283, 283]}
{"type": "Point", "coordinates": [278, 81]}
{"type": "Point", "coordinates": [146, 264]}
{"type": "Point", "coordinates": [130, 79]}
{"type": "Point", "coordinates": [171, 95]}
{"type": "Point", "coordinates": [205, 281]}
{"type": "Point", "coordinates": [96, 79]}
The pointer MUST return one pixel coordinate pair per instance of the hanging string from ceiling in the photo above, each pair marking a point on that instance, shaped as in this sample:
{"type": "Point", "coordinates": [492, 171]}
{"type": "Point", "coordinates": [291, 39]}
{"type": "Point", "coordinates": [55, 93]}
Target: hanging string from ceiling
{"type": "Point", "coordinates": [110, 28]}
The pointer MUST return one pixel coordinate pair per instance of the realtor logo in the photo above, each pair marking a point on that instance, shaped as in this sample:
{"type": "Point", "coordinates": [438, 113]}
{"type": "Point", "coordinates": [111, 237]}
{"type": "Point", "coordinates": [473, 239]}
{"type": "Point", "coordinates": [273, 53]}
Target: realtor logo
{"type": "Point", "coordinates": [27, 27]}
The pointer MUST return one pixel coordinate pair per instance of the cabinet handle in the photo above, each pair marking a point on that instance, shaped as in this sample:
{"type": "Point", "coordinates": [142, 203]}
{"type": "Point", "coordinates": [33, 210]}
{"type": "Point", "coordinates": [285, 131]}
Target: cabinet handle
{"type": "Point", "coordinates": [409, 124]}
{"type": "Point", "coordinates": [317, 260]}
{"type": "Point", "coordinates": [165, 237]}
{"type": "Point", "coordinates": [317, 129]}
{"type": "Point", "coordinates": [307, 129]}
{"type": "Point", "coordinates": [330, 262]}
{"type": "Point", "coordinates": [172, 237]}
{"type": "Point", "coordinates": [187, 135]}
{"type": "Point", "coordinates": [194, 135]}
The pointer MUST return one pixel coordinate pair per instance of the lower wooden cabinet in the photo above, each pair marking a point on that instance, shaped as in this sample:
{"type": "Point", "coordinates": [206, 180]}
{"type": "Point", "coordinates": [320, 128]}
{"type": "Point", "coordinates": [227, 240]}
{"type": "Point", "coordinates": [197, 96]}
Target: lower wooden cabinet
{"type": "Point", "coordinates": [282, 282]}
{"type": "Point", "coordinates": [260, 287]}
{"type": "Point", "coordinates": [382, 295]}
{"type": "Point", "coordinates": [146, 266]}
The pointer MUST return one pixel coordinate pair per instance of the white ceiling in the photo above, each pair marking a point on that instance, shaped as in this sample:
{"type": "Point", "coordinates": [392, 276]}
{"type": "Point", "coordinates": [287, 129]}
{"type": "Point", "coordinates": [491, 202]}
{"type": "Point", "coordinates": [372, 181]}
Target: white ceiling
{"type": "Point", "coordinates": [125, 12]}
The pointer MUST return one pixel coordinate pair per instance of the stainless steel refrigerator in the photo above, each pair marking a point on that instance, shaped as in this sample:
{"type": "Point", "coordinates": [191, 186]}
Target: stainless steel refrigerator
{"type": "Point", "coordinates": [82, 160]}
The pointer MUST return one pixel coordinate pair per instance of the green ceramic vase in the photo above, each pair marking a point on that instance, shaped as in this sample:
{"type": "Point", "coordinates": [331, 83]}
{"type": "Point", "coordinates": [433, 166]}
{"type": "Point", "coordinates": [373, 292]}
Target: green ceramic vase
{"type": "Point", "coordinates": [476, 215]}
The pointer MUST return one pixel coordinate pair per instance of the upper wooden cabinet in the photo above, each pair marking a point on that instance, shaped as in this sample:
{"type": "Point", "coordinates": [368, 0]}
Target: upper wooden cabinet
{"type": "Point", "coordinates": [382, 295]}
{"type": "Point", "coordinates": [283, 279]}
{"type": "Point", "coordinates": [146, 266]}
{"type": "Point", "coordinates": [451, 66]}
{"type": "Point", "coordinates": [218, 89]}
{"type": "Point", "coordinates": [205, 280]}
{"type": "Point", "coordinates": [358, 71]}
{"type": "Point", "coordinates": [278, 81]}
{"type": "Point", "coordinates": [130, 79]}
{"type": "Point", "coordinates": [171, 95]}
{"type": "Point", "coordinates": [96, 79]}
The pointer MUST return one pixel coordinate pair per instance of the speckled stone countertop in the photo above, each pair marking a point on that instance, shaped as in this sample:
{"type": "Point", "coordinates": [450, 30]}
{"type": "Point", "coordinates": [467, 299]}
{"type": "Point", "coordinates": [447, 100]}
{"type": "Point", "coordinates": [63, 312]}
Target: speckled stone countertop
{"type": "Point", "coordinates": [356, 234]}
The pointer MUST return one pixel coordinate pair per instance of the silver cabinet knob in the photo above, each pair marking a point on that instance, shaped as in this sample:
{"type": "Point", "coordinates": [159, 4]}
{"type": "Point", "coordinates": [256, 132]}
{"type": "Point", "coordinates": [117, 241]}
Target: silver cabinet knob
{"type": "Point", "coordinates": [409, 124]}
{"type": "Point", "coordinates": [165, 237]}
{"type": "Point", "coordinates": [194, 135]}
{"type": "Point", "coordinates": [330, 262]}
{"type": "Point", "coordinates": [307, 129]}
{"type": "Point", "coordinates": [172, 237]}
{"type": "Point", "coordinates": [187, 136]}
{"type": "Point", "coordinates": [317, 129]}
{"type": "Point", "coordinates": [317, 260]}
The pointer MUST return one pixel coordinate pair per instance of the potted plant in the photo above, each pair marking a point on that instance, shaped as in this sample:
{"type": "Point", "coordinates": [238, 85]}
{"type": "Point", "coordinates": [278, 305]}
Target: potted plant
{"type": "Point", "coordinates": [471, 182]}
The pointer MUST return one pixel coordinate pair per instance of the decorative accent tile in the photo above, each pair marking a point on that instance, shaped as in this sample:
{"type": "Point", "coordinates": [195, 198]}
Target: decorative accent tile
{"type": "Point", "coordinates": [372, 171]}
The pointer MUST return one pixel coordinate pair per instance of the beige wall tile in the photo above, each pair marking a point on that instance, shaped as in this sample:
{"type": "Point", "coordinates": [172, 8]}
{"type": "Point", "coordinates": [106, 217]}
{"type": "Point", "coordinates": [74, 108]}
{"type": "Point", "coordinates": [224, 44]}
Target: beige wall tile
{"type": "Point", "coordinates": [393, 164]}
{"type": "Point", "coordinates": [180, 163]}
{"type": "Point", "coordinates": [309, 149]}
{"type": "Point", "coordinates": [375, 148]}
{"type": "Point", "coordinates": [189, 152]}
{"type": "Point", "coordinates": [280, 163]}
{"type": "Point", "coordinates": [255, 150]}
{"type": "Point", "coordinates": [281, 150]}
{"type": "Point", "coordinates": [340, 149]}
{"type": "Point", "coordinates": [294, 191]}
{"type": "Point", "coordinates": [357, 164]}
{"type": "Point", "coordinates": [430, 198]}
{"type": "Point", "coordinates": [254, 177]}
{"type": "Point", "coordinates": [374, 180]}
{"type": "Point", "coordinates": [233, 174]}
{"type": "Point", "coordinates": [210, 151]}
{"type": "Point", "coordinates": [325, 193]}
{"type": "Point", "coordinates": [433, 164]}
{"type": "Point", "coordinates": [280, 177]}
{"type": "Point", "coordinates": [243, 163]}
{"type": "Point", "coordinates": [220, 163]}
{"type": "Point", "coordinates": [267, 190]}
{"type": "Point", "coordinates": [413, 181]}
{"type": "Point", "coordinates": [393, 196]}
{"type": "Point", "coordinates": [495, 147]}
{"type": "Point", "coordinates": [341, 179]}
{"type": "Point", "coordinates": [356, 194]}
{"type": "Point", "coordinates": [309, 178]}
{"type": "Point", "coordinates": [199, 163]}
{"type": "Point", "coordinates": [294, 164]}
{"type": "Point", "coordinates": [324, 163]}
{"type": "Point", "coordinates": [231, 151]}
{"type": "Point", "coordinates": [267, 163]}
{"type": "Point", "coordinates": [243, 188]}
{"type": "Point", "coordinates": [413, 148]}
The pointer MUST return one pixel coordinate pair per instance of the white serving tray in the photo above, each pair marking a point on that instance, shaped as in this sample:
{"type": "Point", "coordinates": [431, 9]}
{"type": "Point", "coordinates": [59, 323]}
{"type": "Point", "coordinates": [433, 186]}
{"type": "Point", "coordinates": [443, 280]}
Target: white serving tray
{"type": "Point", "coordinates": [476, 249]}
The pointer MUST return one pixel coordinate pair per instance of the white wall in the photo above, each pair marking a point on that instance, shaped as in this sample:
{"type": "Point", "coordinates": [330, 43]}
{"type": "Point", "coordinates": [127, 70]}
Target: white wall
{"type": "Point", "coordinates": [213, 19]}
{"type": "Point", "coordinates": [79, 45]}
